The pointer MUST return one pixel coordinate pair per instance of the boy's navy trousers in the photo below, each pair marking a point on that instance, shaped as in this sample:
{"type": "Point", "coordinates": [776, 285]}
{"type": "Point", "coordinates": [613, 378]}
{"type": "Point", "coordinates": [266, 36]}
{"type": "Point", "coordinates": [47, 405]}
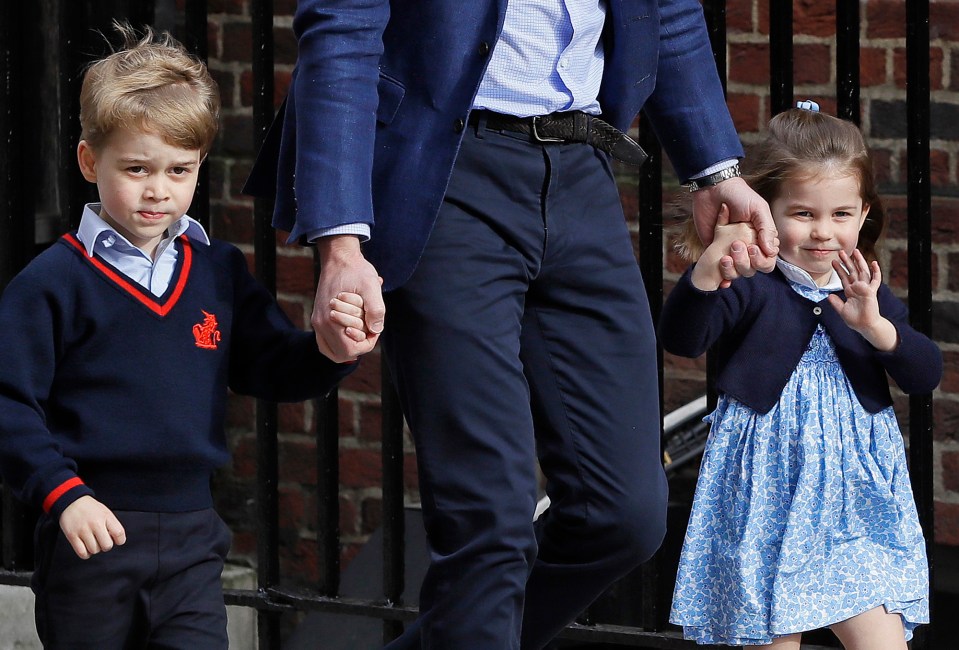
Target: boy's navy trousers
{"type": "Point", "coordinates": [525, 334]}
{"type": "Point", "coordinates": [160, 590]}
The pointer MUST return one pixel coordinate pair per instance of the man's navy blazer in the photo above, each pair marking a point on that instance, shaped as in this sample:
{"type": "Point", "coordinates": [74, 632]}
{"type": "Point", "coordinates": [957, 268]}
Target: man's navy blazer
{"type": "Point", "coordinates": [382, 90]}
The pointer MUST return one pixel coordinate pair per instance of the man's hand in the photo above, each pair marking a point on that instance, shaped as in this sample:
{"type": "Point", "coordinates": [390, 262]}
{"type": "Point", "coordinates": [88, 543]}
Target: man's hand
{"type": "Point", "coordinates": [744, 205]}
{"type": "Point", "coordinates": [725, 259]}
{"type": "Point", "coordinates": [344, 269]}
{"type": "Point", "coordinates": [91, 527]}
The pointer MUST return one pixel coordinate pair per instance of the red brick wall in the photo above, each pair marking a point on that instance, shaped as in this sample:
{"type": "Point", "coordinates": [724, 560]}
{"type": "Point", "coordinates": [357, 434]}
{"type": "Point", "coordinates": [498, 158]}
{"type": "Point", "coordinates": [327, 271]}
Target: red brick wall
{"type": "Point", "coordinates": [883, 121]}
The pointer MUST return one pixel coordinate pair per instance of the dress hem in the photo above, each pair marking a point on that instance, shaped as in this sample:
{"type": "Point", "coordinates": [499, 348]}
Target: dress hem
{"type": "Point", "coordinates": [891, 606]}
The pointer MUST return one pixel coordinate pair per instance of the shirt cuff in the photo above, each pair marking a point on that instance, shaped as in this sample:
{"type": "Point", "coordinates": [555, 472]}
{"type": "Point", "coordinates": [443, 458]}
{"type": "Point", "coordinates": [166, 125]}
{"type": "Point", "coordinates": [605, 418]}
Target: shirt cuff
{"type": "Point", "coordinates": [712, 169]}
{"type": "Point", "coordinates": [362, 230]}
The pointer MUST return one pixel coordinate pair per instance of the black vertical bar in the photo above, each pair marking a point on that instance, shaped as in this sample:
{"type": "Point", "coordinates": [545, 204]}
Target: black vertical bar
{"type": "Point", "coordinates": [268, 569]}
{"type": "Point", "coordinates": [780, 55]}
{"type": "Point", "coordinates": [328, 494]}
{"type": "Point", "coordinates": [715, 12]}
{"type": "Point", "coordinates": [141, 13]}
{"type": "Point", "coordinates": [195, 40]}
{"type": "Point", "coordinates": [847, 60]}
{"type": "Point", "coordinates": [195, 24]}
{"type": "Point", "coordinates": [73, 190]}
{"type": "Point", "coordinates": [267, 533]}
{"type": "Point", "coordinates": [16, 215]}
{"type": "Point", "coordinates": [652, 615]}
{"type": "Point", "coordinates": [16, 553]}
{"type": "Point", "coordinates": [394, 524]}
{"type": "Point", "coordinates": [920, 270]}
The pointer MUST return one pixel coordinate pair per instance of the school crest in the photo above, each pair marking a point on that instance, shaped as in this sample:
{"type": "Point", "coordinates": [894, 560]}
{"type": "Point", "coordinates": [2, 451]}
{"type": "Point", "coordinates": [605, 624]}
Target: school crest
{"type": "Point", "coordinates": [206, 333]}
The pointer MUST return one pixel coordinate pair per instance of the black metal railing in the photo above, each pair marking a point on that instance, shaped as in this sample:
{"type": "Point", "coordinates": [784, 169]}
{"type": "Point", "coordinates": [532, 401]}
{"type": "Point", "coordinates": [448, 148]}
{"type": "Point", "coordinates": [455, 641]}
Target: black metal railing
{"type": "Point", "coordinates": [27, 176]}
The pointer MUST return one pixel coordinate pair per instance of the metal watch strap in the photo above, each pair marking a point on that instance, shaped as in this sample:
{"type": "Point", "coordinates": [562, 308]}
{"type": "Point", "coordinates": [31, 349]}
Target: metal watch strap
{"type": "Point", "coordinates": [714, 178]}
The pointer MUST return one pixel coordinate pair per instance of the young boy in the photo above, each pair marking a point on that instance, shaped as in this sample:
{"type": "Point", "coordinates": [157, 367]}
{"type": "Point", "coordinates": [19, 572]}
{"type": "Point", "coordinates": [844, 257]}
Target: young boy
{"type": "Point", "coordinates": [120, 342]}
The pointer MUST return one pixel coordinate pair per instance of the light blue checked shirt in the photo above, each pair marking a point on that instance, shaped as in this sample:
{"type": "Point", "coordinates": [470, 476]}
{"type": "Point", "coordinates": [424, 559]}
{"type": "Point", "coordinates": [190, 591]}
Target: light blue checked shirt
{"type": "Point", "coordinates": [549, 58]}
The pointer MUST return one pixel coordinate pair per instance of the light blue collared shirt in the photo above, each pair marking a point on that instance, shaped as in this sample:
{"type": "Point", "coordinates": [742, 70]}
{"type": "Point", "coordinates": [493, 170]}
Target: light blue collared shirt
{"type": "Point", "coordinates": [548, 58]}
{"type": "Point", "coordinates": [97, 236]}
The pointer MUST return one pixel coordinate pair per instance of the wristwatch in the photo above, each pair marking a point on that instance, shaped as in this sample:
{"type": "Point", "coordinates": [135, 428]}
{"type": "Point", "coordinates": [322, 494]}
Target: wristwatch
{"type": "Point", "coordinates": [714, 178]}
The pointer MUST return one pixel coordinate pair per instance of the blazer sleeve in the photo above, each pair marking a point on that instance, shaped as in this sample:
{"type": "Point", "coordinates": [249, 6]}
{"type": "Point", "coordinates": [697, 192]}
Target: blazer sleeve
{"type": "Point", "coordinates": [692, 320]}
{"type": "Point", "coordinates": [916, 363]}
{"type": "Point", "coordinates": [271, 358]}
{"type": "Point", "coordinates": [333, 101]}
{"type": "Point", "coordinates": [687, 108]}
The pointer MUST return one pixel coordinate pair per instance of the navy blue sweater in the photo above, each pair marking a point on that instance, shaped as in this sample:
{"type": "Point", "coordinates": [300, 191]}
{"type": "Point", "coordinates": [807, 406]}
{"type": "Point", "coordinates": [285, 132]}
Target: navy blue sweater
{"type": "Point", "coordinates": [762, 328]}
{"type": "Point", "coordinates": [108, 390]}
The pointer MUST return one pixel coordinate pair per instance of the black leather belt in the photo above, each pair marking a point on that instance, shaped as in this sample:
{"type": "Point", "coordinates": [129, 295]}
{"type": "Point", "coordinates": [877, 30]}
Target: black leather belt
{"type": "Point", "coordinates": [567, 127]}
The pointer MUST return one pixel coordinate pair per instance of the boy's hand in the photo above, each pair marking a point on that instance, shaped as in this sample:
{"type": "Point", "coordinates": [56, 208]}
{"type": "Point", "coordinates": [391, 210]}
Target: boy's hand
{"type": "Point", "coordinates": [347, 310]}
{"type": "Point", "coordinates": [860, 310]}
{"type": "Point", "coordinates": [728, 256]}
{"type": "Point", "coordinates": [91, 527]}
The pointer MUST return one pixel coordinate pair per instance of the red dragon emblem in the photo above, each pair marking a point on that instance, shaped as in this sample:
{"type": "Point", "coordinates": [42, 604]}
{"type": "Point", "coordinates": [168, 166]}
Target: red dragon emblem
{"type": "Point", "coordinates": [206, 333]}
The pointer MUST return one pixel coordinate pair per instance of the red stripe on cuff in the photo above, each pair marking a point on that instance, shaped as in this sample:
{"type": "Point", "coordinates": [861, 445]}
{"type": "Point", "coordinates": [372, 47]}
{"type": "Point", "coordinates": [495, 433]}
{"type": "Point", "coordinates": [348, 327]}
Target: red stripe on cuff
{"type": "Point", "coordinates": [60, 491]}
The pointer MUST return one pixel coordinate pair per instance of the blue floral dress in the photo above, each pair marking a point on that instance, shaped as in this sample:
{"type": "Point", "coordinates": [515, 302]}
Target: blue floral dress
{"type": "Point", "coordinates": [803, 516]}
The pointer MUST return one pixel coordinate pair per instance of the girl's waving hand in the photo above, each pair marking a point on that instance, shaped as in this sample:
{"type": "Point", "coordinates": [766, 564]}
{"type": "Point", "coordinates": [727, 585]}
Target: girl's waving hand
{"type": "Point", "coordinates": [860, 310]}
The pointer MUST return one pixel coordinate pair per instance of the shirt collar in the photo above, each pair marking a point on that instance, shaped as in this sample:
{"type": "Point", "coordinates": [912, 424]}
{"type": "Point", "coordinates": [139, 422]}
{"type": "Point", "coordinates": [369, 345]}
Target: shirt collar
{"type": "Point", "coordinates": [800, 276]}
{"type": "Point", "coordinates": [93, 227]}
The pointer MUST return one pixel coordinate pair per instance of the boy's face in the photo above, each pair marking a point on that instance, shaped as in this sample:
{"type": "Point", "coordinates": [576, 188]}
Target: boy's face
{"type": "Point", "coordinates": [145, 184]}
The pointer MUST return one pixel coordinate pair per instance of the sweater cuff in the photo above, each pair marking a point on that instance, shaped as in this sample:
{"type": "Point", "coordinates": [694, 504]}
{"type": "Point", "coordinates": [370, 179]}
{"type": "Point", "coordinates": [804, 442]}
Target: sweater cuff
{"type": "Point", "coordinates": [63, 495]}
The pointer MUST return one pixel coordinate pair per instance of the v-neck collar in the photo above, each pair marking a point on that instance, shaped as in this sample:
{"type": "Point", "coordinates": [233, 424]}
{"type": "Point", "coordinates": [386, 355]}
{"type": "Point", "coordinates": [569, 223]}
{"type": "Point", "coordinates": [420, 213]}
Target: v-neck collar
{"type": "Point", "coordinates": [161, 305]}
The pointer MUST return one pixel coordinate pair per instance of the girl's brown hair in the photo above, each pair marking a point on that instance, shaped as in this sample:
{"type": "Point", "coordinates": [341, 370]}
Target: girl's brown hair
{"type": "Point", "coordinates": [802, 143]}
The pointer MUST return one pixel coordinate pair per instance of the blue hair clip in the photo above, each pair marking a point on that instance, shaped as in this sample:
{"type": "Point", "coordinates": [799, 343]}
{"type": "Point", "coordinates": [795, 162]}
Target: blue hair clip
{"type": "Point", "coordinates": [808, 105]}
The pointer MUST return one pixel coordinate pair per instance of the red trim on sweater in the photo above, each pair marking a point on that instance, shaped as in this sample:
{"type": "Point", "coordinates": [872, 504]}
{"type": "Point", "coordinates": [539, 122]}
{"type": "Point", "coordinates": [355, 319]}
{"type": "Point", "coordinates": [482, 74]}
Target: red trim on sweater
{"type": "Point", "coordinates": [127, 286]}
{"type": "Point", "coordinates": [62, 489]}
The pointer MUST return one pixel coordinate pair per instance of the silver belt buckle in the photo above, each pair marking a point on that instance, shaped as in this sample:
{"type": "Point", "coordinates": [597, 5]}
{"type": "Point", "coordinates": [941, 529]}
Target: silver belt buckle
{"type": "Point", "coordinates": [536, 136]}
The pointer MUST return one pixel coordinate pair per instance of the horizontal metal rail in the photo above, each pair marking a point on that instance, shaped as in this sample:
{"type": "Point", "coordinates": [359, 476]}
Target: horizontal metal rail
{"type": "Point", "coordinates": [280, 600]}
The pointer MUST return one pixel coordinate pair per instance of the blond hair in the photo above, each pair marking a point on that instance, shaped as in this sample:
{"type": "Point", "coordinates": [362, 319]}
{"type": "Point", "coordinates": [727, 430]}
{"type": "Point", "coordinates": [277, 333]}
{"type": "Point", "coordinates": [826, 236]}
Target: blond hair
{"type": "Point", "coordinates": [800, 144]}
{"type": "Point", "coordinates": [153, 84]}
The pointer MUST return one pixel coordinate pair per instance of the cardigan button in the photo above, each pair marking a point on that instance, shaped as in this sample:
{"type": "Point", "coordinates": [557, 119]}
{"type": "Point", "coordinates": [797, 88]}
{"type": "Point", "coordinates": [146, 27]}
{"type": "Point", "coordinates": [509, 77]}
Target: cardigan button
{"type": "Point", "coordinates": [817, 310]}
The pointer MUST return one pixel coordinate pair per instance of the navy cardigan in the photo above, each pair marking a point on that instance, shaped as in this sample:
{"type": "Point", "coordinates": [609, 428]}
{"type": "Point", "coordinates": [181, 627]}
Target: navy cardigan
{"type": "Point", "coordinates": [762, 327]}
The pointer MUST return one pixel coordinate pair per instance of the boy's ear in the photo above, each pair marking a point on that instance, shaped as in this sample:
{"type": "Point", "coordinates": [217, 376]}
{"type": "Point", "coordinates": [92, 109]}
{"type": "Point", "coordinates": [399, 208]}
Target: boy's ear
{"type": "Point", "coordinates": [87, 159]}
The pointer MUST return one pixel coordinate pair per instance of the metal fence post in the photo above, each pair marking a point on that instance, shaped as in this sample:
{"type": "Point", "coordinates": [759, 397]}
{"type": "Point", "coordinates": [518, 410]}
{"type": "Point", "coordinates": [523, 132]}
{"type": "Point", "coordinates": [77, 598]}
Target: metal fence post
{"type": "Point", "coordinates": [847, 60]}
{"type": "Point", "coordinates": [267, 457]}
{"type": "Point", "coordinates": [920, 270]}
{"type": "Point", "coordinates": [780, 55]}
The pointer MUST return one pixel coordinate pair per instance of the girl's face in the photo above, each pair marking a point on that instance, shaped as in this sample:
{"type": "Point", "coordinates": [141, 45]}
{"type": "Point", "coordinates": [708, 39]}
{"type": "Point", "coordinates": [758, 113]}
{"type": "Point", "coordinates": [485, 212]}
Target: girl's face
{"type": "Point", "coordinates": [817, 216]}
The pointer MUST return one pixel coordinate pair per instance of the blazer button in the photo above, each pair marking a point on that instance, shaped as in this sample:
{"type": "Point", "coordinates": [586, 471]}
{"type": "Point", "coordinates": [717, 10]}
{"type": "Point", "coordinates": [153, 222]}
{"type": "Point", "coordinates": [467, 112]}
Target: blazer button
{"type": "Point", "coordinates": [459, 125]}
{"type": "Point", "coordinates": [484, 48]}
{"type": "Point", "coordinates": [817, 310]}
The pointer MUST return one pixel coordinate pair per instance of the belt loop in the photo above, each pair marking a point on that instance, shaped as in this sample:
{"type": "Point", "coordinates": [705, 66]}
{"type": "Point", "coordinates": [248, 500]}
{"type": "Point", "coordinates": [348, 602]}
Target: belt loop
{"type": "Point", "coordinates": [481, 117]}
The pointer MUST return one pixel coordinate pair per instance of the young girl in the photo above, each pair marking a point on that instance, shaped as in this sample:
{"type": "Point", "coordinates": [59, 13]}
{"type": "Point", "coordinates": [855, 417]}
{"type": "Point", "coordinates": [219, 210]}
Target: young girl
{"type": "Point", "coordinates": [803, 515]}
